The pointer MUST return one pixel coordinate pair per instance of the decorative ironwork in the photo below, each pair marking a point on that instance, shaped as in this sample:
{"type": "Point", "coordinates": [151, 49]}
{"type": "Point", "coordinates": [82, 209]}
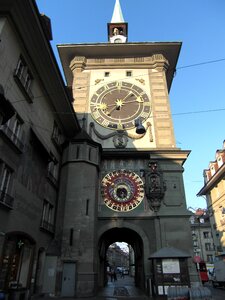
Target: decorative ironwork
{"type": "Point", "coordinates": [154, 186]}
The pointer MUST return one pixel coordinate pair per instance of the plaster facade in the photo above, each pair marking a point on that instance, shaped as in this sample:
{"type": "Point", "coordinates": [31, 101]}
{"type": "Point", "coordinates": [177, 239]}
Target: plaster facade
{"type": "Point", "coordinates": [214, 191]}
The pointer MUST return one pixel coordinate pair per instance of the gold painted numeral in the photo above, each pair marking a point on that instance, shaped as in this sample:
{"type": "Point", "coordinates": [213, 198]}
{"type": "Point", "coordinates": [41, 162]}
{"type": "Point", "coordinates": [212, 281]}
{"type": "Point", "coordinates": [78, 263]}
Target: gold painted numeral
{"type": "Point", "coordinates": [105, 123]}
{"type": "Point", "coordinates": [144, 114]}
{"type": "Point", "coordinates": [120, 125]}
{"type": "Point", "coordinates": [96, 114]}
{"type": "Point", "coordinates": [107, 87]}
{"type": "Point", "coordinates": [119, 84]}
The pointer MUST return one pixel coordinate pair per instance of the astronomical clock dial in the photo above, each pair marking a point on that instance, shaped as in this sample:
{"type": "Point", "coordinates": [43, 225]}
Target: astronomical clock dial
{"type": "Point", "coordinates": [117, 105]}
{"type": "Point", "coordinates": [122, 190]}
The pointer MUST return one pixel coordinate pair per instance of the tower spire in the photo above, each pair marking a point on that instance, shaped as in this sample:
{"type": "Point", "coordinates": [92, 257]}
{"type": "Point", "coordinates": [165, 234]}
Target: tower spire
{"type": "Point", "coordinates": [117, 29]}
{"type": "Point", "coordinates": [117, 16]}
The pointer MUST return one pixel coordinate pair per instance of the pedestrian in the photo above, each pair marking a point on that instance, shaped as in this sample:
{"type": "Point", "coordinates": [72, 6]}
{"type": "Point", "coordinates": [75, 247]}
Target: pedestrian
{"type": "Point", "coordinates": [114, 276]}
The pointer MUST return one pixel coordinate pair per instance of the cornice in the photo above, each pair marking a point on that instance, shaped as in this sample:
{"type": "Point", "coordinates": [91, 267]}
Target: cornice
{"type": "Point", "coordinates": [156, 61]}
{"type": "Point", "coordinates": [159, 154]}
{"type": "Point", "coordinates": [100, 51]}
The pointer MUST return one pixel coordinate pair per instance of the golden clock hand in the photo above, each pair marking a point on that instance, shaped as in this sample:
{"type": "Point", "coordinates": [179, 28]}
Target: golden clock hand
{"type": "Point", "coordinates": [132, 101]}
{"type": "Point", "coordinates": [103, 106]}
{"type": "Point", "coordinates": [129, 94]}
{"type": "Point", "coordinates": [111, 110]}
{"type": "Point", "coordinates": [120, 103]}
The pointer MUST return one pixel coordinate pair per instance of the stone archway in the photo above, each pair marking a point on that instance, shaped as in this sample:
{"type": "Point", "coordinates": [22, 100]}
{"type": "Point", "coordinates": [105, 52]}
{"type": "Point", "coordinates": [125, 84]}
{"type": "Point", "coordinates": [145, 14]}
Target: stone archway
{"type": "Point", "coordinates": [132, 238]}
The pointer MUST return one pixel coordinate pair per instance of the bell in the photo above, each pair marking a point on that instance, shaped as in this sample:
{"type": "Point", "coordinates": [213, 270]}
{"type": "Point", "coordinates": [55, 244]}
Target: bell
{"type": "Point", "coordinates": [139, 127]}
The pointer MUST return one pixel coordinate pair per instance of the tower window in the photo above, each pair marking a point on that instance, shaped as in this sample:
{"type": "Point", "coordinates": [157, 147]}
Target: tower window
{"type": "Point", "coordinates": [128, 73]}
{"type": "Point", "coordinates": [107, 74]}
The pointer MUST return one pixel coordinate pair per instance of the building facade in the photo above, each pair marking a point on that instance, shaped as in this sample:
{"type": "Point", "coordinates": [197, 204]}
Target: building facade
{"type": "Point", "coordinates": [203, 243]}
{"type": "Point", "coordinates": [117, 258]}
{"type": "Point", "coordinates": [214, 191]}
{"type": "Point", "coordinates": [80, 172]}
{"type": "Point", "coordinates": [32, 132]}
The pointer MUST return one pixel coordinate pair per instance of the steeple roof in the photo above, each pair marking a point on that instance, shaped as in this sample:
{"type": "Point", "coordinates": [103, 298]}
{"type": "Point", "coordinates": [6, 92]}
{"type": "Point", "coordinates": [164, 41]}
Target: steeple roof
{"type": "Point", "coordinates": [117, 13]}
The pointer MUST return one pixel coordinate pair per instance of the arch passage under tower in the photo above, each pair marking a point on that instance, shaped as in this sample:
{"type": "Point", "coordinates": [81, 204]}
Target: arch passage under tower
{"type": "Point", "coordinates": [130, 237]}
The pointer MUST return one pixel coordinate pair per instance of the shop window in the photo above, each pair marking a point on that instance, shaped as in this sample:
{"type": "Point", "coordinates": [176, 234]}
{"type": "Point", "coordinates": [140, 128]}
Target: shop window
{"type": "Point", "coordinates": [16, 262]}
{"type": "Point", "coordinates": [5, 185]}
{"type": "Point", "coordinates": [47, 216]}
{"type": "Point", "coordinates": [24, 79]}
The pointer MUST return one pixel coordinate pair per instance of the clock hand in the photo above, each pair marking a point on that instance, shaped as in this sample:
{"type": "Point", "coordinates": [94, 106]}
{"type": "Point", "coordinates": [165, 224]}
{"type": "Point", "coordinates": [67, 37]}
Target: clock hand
{"type": "Point", "coordinates": [129, 94]}
{"type": "Point", "coordinates": [136, 100]}
{"type": "Point", "coordinates": [103, 106]}
{"type": "Point", "coordinates": [120, 103]}
{"type": "Point", "coordinates": [111, 110]}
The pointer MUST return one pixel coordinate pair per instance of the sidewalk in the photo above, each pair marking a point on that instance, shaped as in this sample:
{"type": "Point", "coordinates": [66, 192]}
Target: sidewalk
{"type": "Point", "coordinates": [123, 289]}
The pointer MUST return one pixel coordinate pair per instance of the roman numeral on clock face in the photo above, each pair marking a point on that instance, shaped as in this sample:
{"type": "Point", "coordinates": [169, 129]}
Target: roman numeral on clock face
{"type": "Point", "coordinates": [118, 84]}
{"type": "Point", "coordinates": [144, 115]}
{"type": "Point", "coordinates": [96, 114]}
{"type": "Point", "coordinates": [105, 123]}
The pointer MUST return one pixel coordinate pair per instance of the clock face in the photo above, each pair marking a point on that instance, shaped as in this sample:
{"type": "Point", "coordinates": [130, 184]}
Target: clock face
{"type": "Point", "coordinates": [118, 104]}
{"type": "Point", "coordinates": [122, 190]}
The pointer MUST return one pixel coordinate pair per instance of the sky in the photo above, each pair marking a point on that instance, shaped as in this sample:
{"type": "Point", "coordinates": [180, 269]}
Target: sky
{"type": "Point", "coordinates": [197, 95]}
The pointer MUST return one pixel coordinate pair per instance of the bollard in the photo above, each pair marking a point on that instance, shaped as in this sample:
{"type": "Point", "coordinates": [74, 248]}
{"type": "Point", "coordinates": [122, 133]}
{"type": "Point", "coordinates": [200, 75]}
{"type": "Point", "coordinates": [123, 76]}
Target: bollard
{"type": "Point", "coordinates": [197, 293]}
{"type": "Point", "coordinates": [177, 293]}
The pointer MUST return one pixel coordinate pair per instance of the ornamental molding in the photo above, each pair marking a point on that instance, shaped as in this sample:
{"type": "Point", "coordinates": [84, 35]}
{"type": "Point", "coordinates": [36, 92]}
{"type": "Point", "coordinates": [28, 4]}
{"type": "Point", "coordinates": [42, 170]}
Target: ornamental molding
{"type": "Point", "coordinates": [149, 62]}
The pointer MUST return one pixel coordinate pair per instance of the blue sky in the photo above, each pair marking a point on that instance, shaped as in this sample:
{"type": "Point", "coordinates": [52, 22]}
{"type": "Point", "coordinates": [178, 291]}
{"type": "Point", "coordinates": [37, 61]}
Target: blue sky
{"type": "Point", "coordinates": [197, 95]}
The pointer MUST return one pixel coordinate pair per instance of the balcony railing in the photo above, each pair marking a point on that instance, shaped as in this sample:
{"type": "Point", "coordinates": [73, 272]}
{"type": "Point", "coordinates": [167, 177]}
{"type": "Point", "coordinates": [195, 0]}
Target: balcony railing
{"type": "Point", "coordinates": [6, 199]}
{"type": "Point", "coordinates": [13, 137]}
{"type": "Point", "coordinates": [47, 226]}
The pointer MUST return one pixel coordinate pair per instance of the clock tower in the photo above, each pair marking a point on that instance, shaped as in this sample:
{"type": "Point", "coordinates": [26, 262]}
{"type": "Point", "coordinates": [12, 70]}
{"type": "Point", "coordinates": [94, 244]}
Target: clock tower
{"type": "Point", "coordinates": [123, 173]}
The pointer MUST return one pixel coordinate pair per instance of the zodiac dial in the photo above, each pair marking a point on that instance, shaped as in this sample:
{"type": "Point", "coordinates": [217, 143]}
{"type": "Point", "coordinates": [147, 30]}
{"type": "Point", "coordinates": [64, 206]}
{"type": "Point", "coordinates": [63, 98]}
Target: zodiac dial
{"type": "Point", "coordinates": [117, 105]}
{"type": "Point", "coordinates": [122, 190]}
